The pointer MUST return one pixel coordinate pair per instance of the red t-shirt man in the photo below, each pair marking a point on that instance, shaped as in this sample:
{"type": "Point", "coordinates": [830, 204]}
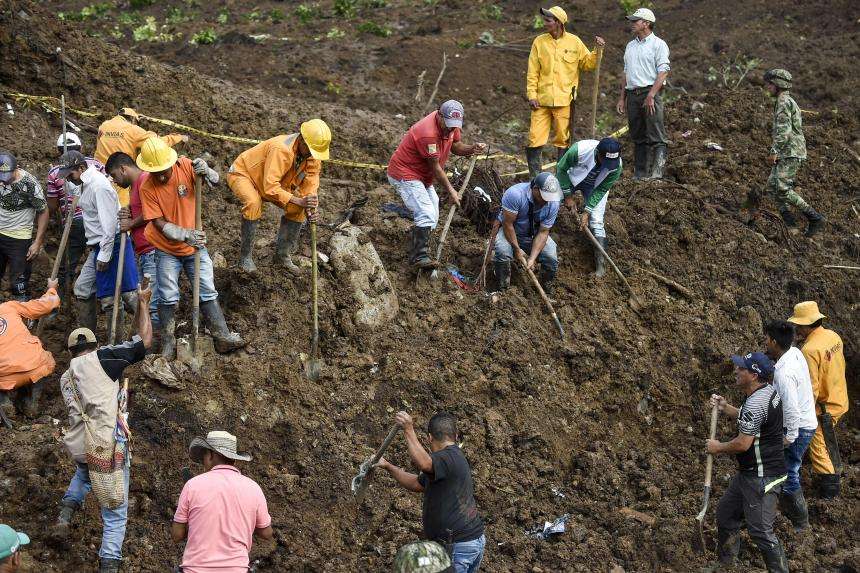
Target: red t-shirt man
{"type": "Point", "coordinates": [138, 234]}
{"type": "Point", "coordinates": [423, 141]}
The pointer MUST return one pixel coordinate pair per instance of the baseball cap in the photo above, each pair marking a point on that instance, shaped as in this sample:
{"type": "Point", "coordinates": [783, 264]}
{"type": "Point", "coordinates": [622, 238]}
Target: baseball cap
{"type": "Point", "coordinates": [555, 12]}
{"type": "Point", "coordinates": [8, 165]}
{"type": "Point", "coordinates": [421, 557]}
{"type": "Point", "coordinates": [72, 140]}
{"type": "Point", "coordinates": [11, 540]}
{"type": "Point", "coordinates": [643, 14]}
{"type": "Point", "coordinates": [130, 113]}
{"type": "Point", "coordinates": [88, 335]}
{"type": "Point", "coordinates": [550, 190]}
{"type": "Point", "coordinates": [452, 113]}
{"type": "Point", "coordinates": [70, 160]}
{"type": "Point", "coordinates": [611, 150]}
{"type": "Point", "coordinates": [757, 362]}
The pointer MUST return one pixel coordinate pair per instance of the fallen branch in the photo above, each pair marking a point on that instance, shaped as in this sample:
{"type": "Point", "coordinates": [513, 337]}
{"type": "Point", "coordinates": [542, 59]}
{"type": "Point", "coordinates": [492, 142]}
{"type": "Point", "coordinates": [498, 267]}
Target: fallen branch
{"type": "Point", "coordinates": [679, 288]}
{"type": "Point", "coordinates": [842, 267]}
{"type": "Point", "coordinates": [853, 208]}
{"type": "Point", "coordinates": [438, 80]}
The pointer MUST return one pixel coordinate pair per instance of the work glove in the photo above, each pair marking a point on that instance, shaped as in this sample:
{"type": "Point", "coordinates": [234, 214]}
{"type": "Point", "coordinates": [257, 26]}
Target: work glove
{"type": "Point", "coordinates": [191, 237]}
{"type": "Point", "coordinates": [202, 168]}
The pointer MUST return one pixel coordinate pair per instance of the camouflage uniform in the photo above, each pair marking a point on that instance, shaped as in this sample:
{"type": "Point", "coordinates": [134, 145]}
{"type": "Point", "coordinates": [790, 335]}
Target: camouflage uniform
{"type": "Point", "coordinates": [789, 147]}
{"type": "Point", "coordinates": [421, 557]}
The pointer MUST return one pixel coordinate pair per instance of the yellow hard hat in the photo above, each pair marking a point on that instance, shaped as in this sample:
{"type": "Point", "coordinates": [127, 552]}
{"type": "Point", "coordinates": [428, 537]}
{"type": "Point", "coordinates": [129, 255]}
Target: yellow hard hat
{"type": "Point", "coordinates": [155, 155]}
{"type": "Point", "coordinates": [317, 135]}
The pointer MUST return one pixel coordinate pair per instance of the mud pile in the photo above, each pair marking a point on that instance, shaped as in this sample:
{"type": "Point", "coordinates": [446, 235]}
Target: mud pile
{"type": "Point", "coordinates": [612, 417]}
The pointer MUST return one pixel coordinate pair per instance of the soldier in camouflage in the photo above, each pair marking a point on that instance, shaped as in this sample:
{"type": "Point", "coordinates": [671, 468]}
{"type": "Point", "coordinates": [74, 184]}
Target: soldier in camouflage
{"type": "Point", "coordinates": [787, 152]}
{"type": "Point", "coordinates": [421, 557]}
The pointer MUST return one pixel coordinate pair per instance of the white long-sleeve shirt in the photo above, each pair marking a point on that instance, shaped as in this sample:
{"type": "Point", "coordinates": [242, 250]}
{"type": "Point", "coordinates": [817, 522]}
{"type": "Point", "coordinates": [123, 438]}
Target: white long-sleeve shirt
{"type": "Point", "coordinates": [794, 385]}
{"type": "Point", "coordinates": [644, 59]}
{"type": "Point", "coordinates": [100, 207]}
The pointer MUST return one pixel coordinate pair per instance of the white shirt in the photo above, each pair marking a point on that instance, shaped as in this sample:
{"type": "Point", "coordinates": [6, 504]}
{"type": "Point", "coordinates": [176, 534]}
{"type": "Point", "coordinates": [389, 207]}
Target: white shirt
{"type": "Point", "coordinates": [644, 59]}
{"type": "Point", "coordinates": [794, 385]}
{"type": "Point", "coordinates": [100, 208]}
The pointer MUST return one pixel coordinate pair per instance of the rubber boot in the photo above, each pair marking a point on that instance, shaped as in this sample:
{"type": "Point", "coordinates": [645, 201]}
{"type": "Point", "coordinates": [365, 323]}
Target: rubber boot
{"type": "Point", "coordinates": [167, 316]}
{"type": "Point", "coordinates": [787, 217]}
{"type": "Point", "coordinates": [816, 221]}
{"type": "Point", "coordinates": [27, 400]}
{"type": "Point", "coordinates": [793, 506]}
{"type": "Point", "coordinates": [63, 525]}
{"type": "Point", "coordinates": [640, 161]}
{"type": "Point", "coordinates": [659, 165]}
{"type": "Point", "coordinates": [7, 407]}
{"type": "Point", "coordinates": [728, 546]}
{"type": "Point", "coordinates": [547, 281]}
{"type": "Point", "coordinates": [422, 239]}
{"type": "Point", "coordinates": [288, 242]}
{"type": "Point", "coordinates": [828, 486]}
{"type": "Point", "coordinates": [109, 565]}
{"type": "Point", "coordinates": [774, 558]}
{"type": "Point", "coordinates": [599, 259]}
{"type": "Point", "coordinates": [249, 229]}
{"type": "Point", "coordinates": [413, 241]}
{"type": "Point", "coordinates": [225, 341]}
{"type": "Point", "coordinates": [86, 310]}
{"type": "Point", "coordinates": [503, 274]}
{"type": "Point", "coordinates": [649, 161]}
{"type": "Point", "coordinates": [533, 159]}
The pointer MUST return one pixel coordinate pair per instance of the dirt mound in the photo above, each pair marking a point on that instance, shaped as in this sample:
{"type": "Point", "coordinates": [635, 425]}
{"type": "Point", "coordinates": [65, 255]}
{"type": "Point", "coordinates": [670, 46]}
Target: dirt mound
{"type": "Point", "coordinates": [611, 418]}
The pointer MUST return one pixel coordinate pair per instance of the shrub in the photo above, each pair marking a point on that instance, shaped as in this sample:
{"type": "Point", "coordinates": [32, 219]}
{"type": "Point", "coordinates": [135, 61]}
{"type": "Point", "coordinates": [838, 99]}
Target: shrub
{"type": "Point", "coordinates": [537, 23]}
{"type": "Point", "coordinates": [732, 73]}
{"type": "Point", "coordinates": [149, 32]}
{"type": "Point", "coordinates": [207, 36]}
{"type": "Point", "coordinates": [175, 15]}
{"type": "Point", "coordinates": [335, 33]}
{"type": "Point", "coordinates": [306, 13]}
{"type": "Point", "coordinates": [492, 11]}
{"type": "Point", "coordinates": [91, 12]}
{"type": "Point", "coordinates": [630, 6]}
{"type": "Point", "coordinates": [375, 29]}
{"type": "Point", "coordinates": [276, 15]}
{"type": "Point", "coordinates": [223, 16]}
{"type": "Point", "coordinates": [346, 8]}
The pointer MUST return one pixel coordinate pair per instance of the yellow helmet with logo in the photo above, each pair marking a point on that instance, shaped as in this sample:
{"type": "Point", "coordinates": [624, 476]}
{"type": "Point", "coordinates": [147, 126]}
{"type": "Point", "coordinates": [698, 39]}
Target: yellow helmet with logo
{"type": "Point", "coordinates": [317, 135]}
{"type": "Point", "coordinates": [155, 155]}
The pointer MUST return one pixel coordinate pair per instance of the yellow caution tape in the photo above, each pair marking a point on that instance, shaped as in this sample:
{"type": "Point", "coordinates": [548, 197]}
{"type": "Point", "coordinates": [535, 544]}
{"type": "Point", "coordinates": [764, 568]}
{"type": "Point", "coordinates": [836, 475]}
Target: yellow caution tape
{"type": "Point", "coordinates": [617, 133]}
{"type": "Point", "coordinates": [44, 101]}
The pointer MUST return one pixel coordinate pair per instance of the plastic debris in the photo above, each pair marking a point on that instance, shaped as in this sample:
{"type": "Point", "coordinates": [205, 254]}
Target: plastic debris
{"type": "Point", "coordinates": [713, 146]}
{"type": "Point", "coordinates": [550, 529]}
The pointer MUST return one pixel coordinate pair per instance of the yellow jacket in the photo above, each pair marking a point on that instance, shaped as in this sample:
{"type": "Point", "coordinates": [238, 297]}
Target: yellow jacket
{"type": "Point", "coordinates": [271, 167]}
{"type": "Point", "coordinates": [825, 357]}
{"type": "Point", "coordinates": [554, 66]}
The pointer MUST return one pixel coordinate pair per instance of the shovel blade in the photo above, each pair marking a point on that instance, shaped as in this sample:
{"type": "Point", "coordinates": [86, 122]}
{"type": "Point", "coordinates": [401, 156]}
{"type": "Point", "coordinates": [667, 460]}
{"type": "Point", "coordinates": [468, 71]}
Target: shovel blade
{"type": "Point", "coordinates": [185, 353]}
{"type": "Point", "coordinates": [313, 368]}
{"type": "Point", "coordinates": [360, 482]}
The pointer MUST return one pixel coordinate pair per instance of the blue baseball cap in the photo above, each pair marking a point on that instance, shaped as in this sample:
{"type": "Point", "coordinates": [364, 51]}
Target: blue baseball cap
{"type": "Point", "coordinates": [756, 362]}
{"type": "Point", "coordinates": [611, 150]}
{"type": "Point", "coordinates": [8, 164]}
{"type": "Point", "coordinates": [11, 540]}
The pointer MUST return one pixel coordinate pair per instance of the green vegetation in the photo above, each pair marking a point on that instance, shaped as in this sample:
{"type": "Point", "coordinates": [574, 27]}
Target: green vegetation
{"type": "Point", "coordinates": [333, 88]}
{"type": "Point", "coordinates": [207, 36]}
{"type": "Point", "coordinates": [375, 3]}
{"type": "Point", "coordinates": [537, 23]}
{"type": "Point", "coordinates": [732, 73]}
{"type": "Point", "coordinates": [137, 4]}
{"type": "Point", "coordinates": [223, 16]}
{"type": "Point", "coordinates": [375, 29]}
{"type": "Point", "coordinates": [335, 33]}
{"type": "Point", "coordinates": [276, 16]}
{"type": "Point", "coordinates": [175, 15]}
{"type": "Point", "coordinates": [346, 8]}
{"type": "Point", "coordinates": [254, 16]}
{"type": "Point", "coordinates": [630, 6]}
{"type": "Point", "coordinates": [91, 12]}
{"type": "Point", "coordinates": [492, 11]}
{"type": "Point", "coordinates": [150, 32]}
{"type": "Point", "coordinates": [306, 13]}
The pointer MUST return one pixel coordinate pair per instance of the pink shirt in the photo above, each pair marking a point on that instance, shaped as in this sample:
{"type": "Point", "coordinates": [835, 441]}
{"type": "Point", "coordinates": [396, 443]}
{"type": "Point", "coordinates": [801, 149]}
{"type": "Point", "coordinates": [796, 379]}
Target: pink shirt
{"type": "Point", "coordinates": [222, 509]}
{"type": "Point", "coordinates": [423, 141]}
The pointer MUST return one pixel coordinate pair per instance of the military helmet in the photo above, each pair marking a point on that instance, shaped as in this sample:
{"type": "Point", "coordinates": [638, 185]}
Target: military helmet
{"type": "Point", "coordinates": [421, 557]}
{"type": "Point", "coordinates": [778, 77]}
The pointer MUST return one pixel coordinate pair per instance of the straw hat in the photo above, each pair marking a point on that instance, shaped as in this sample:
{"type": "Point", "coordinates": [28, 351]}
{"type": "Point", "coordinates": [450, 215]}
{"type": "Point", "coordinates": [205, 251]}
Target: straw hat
{"type": "Point", "coordinates": [806, 313]}
{"type": "Point", "coordinates": [222, 442]}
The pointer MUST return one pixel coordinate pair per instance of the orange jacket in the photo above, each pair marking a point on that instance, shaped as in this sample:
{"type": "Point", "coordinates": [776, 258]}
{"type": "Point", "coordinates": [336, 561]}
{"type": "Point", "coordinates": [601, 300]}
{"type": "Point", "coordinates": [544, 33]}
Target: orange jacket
{"type": "Point", "coordinates": [825, 357]}
{"type": "Point", "coordinates": [119, 134]}
{"type": "Point", "coordinates": [20, 351]}
{"type": "Point", "coordinates": [271, 167]}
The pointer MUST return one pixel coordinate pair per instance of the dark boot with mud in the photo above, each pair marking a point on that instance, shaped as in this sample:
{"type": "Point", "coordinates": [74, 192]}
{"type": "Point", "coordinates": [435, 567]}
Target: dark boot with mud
{"type": "Point", "coordinates": [87, 311]}
{"type": "Point", "coordinates": [599, 259]}
{"type": "Point", "coordinates": [640, 162]}
{"type": "Point", "coordinates": [288, 242]}
{"type": "Point", "coordinates": [63, 526]}
{"type": "Point", "coordinates": [728, 546]}
{"type": "Point", "coordinates": [249, 230]}
{"type": "Point", "coordinates": [788, 217]}
{"type": "Point", "coordinates": [533, 160]}
{"type": "Point", "coordinates": [815, 219]}
{"type": "Point", "coordinates": [167, 316]}
{"type": "Point", "coordinates": [27, 400]}
{"type": "Point", "coordinates": [828, 486]}
{"type": "Point", "coordinates": [225, 340]}
{"type": "Point", "coordinates": [422, 239]}
{"type": "Point", "coordinates": [793, 506]}
{"type": "Point", "coordinates": [774, 558]}
{"type": "Point", "coordinates": [503, 274]}
{"type": "Point", "coordinates": [109, 565]}
{"type": "Point", "coordinates": [659, 165]}
{"type": "Point", "coordinates": [413, 235]}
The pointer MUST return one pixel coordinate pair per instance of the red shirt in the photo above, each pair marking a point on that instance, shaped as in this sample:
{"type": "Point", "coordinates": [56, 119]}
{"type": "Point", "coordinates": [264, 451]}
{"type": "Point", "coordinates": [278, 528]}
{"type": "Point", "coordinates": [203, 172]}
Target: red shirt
{"type": "Point", "coordinates": [141, 245]}
{"type": "Point", "coordinates": [423, 141]}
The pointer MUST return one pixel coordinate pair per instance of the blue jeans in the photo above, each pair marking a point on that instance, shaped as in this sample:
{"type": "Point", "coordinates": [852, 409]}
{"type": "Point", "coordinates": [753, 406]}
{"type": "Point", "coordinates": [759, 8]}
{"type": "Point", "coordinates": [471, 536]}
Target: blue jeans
{"type": "Point", "coordinates": [504, 252]}
{"type": "Point", "coordinates": [422, 201]}
{"type": "Point", "coordinates": [794, 457]}
{"type": "Point", "coordinates": [114, 520]}
{"type": "Point", "coordinates": [170, 266]}
{"type": "Point", "coordinates": [148, 265]}
{"type": "Point", "coordinates": [466, 556]}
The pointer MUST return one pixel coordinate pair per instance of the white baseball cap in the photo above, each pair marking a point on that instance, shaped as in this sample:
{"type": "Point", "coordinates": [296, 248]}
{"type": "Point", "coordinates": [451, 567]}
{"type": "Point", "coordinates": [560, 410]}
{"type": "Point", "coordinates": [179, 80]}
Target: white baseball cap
{"type": "Point", "coordinates": [643, 14]}
{"type": "Point", "coordinates": [72, 140]}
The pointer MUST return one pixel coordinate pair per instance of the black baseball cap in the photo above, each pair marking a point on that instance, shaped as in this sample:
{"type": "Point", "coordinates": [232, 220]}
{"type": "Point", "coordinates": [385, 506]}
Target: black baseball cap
{"type": "Point", "coordinates": [71, 160]}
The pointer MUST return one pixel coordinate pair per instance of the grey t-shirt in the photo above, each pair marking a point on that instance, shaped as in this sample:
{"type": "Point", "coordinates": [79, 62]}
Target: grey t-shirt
{"type": "Point", "coordinates": [19, 202]}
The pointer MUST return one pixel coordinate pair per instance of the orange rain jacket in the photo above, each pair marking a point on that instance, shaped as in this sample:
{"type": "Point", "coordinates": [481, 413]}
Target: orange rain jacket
{"type": "Point", "coordinates": [825, 356]}
{"type": "Point", "coordinates": [22, 358]}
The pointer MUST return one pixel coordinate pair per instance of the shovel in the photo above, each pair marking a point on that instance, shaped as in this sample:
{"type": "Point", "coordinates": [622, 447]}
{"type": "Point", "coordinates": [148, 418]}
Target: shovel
{"type": "Point", "coordinates": [187, 351]}
{"type": "Point", "coordinates": [365, 471]}
{"type": "Point", "coordinates": [543, 296]}
{"type": "Point", "coordinates": [596, 93]}
{"type": "Point", "coordinates": [313, 365]}
{"type": "Point", "coordinates": [636, 303]}
{"type": "Point", "coordinates": [709, 466]}
{"type": "Point", "coordinates": [64, 241]}
{"type": "Point", "coordinates": [435, 274]}
{"type": "Point", "coordinates": [117, 294]}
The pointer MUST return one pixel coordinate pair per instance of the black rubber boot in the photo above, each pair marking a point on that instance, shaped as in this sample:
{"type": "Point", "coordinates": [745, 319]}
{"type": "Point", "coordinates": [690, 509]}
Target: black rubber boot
{"type": "Point", "coordinates": [828, 486]}
{"type": "Point", "coordinates": [63, 525]}
{"type": "Point", "coordinates": [774, 558]}
{"type": "Point", "coordinates": [422, 239]}
{"type": "Point", "coordinates": [109, 565]}
{"type": "Point", "coordinates": [816, 221]}
{"type": "Point", "coordinates": [87, 312]}
{"type": "Point", "coordinates": [728, 546]}
{"type": "Point", "coordinates": [599, 259]}
{"type": "Point", "coordinates": [249, 230]}
{"type": "Point", "coordinates": [640, 161]}
{"type": "Point", "coordinates": [547, 281]}
{"type": "Point", "coordinates": [788, 217]}
{"type": "Point", "coordinates": [225, 341]}
{"type": "Point", "coordinates": [413, 241]}
{"type": "Point", "coordinates": [559, 153]}
{"type": "Point", "coordinates": [27, 400]}
{"type": "Point", "coordinates": [793, 506]}
{"type": "Point", "coordinates": [503, 274]}
{"type": "Point", "coordinates": [167, 317]}
{"type": "Point", "coordinates": [288, 242]}
{"type": "Point", "coordinates": [533, 159]}
{"type": "Point", "coordinates": [659, 165]}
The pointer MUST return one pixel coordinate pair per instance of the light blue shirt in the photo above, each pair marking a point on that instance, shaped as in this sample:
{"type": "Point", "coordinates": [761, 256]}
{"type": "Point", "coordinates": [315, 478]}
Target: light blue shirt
{"type": "Point", "coordinates": [518, 199]}
{"type": "Point", "coordinates": [644, 59]}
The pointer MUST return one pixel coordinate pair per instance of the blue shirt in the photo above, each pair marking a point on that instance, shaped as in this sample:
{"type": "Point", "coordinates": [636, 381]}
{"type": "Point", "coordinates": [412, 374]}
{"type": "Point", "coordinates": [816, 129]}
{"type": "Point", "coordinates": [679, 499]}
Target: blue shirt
{"type": "Point", "coordinates": [518, 199]}
{"type": "Point", "coordinates": [644, 59]}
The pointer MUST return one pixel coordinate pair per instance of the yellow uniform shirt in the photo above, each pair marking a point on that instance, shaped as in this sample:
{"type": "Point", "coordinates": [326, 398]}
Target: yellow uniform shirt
{"type": "Point", "coordinates": [825, 357]}
{"type": "Point", "coordinates": [554, 66]}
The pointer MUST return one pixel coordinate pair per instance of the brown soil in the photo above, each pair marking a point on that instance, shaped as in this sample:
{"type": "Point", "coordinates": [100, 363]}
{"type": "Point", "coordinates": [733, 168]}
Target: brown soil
{"type": "Point", "coordinates": [612, 417]}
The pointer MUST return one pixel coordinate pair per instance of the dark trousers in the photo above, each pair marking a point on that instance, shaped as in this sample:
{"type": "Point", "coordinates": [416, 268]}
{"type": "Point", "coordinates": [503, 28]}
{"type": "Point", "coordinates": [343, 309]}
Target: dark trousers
{"type": "Point", "coordinates": [75, 250]}
{"type": "Point", "coordinates": [645, 127]}
{"type": "Point", "coordinates": [13, 255]}
{"type": "Point", "coordinates": [747, 500]}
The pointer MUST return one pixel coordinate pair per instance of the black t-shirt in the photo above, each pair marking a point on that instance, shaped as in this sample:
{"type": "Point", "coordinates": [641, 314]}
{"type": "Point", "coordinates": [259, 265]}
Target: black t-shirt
{"type": "Point", "coordinates": [115, 359]}
{"type": "Point", "coordinates": [761, 416]}
{"type": "Point", "coordinates": [449, 499]}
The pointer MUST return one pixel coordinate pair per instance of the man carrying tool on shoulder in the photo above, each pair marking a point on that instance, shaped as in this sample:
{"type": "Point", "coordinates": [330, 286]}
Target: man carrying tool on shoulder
{"type": "Point", "coordinates": [825, 357]}
{"type": "Point", "coordinates": [168, 200]}
{"type": "Point", "coordinates": [528, 212]}
{"type": "Point", "coordinates": [419, 160]}
{"type": "Point", "coordinates": [753, 492]}
{"type": "Point", "coordinates": [555, 61]}
{"type": "Point", "coordinates": [591, 167]}
{"type": "Point", "coordinates": [449, 513]}
{"type": "Point", "coordinates": [284, 170]}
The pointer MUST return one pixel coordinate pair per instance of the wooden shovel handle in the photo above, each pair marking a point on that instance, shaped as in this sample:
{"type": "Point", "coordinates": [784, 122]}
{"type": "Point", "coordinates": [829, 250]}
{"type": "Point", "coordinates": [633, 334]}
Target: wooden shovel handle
{"type": "Point", "coordinates": [387, 442]}
{"type": "Point", "coordinates": [709, 462]}
{"type": "Point", "coordinates": [453, 209]}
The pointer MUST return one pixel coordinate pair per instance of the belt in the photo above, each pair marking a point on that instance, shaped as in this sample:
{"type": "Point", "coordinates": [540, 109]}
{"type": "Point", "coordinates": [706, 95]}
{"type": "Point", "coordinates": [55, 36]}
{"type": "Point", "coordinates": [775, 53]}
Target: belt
{"type": "Point", "coordinates": [639, 90]}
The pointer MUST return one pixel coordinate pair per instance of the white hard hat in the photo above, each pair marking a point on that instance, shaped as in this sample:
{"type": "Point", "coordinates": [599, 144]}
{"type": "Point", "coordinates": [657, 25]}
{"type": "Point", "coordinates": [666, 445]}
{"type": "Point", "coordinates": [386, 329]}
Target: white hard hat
{"type": "Point", "coordinates": [643, 14]}
{"type": "Point", "coordinates": [72, 140]}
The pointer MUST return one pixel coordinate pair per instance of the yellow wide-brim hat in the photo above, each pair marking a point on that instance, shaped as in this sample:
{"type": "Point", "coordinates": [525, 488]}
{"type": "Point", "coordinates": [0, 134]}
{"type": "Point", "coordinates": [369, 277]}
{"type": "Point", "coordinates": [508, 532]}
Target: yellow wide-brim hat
{"type": "Point", "coordinates": [806, 313]}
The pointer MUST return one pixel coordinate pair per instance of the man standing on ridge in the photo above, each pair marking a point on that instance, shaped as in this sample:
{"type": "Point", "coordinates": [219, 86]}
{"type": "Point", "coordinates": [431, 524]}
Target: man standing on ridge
{"type": "Point", "coordinates": [555, 60]}
{"type": "Point", "coordinates": [284, 170]}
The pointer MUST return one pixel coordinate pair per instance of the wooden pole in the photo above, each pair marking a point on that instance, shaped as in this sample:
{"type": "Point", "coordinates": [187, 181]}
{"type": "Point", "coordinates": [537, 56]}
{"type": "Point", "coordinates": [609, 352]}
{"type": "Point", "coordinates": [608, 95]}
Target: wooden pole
{"type": "Point", "coordinates": [596, 94]}
{"type": "Point", "coordinates": [198, 224]}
